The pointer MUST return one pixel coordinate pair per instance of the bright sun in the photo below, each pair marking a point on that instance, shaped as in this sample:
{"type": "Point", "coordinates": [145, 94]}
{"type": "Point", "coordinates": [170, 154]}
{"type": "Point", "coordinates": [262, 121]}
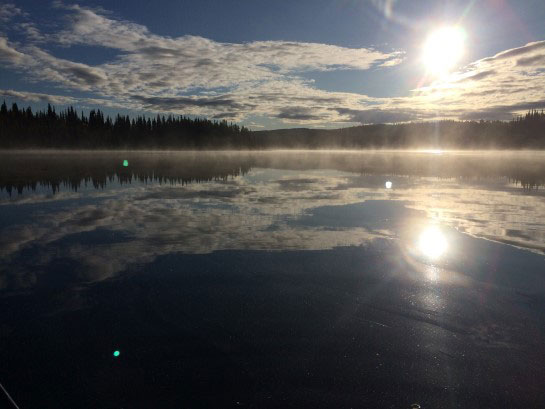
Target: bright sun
{"type": "Point", "coordinates": [443, 49]}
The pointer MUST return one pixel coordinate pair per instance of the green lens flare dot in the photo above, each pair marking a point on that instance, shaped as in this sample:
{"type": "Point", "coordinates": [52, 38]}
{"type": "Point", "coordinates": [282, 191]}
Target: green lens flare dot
{"type": "Point", "coordinates": [116, 353]}
{"type": "Point", "coordinates": [125, 162]}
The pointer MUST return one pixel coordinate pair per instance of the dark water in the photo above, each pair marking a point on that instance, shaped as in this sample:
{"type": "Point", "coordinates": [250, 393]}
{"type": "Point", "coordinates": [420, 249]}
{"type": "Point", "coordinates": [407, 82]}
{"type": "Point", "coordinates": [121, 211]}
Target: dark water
{"type": "Point", "coordinates": [267, 280]}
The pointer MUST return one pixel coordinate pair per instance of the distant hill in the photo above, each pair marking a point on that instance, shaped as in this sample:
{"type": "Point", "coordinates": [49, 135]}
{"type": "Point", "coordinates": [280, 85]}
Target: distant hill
{"type": "Point", "coordinates": [527, 132]}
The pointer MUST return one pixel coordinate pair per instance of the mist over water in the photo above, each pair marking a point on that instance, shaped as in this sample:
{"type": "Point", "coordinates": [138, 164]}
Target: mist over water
{"type": "Point", "coordinates": [22, 170]}
{"type": "Point", "coordinates": [495, 195]}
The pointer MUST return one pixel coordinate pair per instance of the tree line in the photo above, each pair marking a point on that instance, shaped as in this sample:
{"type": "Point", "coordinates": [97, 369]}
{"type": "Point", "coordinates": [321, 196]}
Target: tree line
{"type": "Point", "coordinates": [22, 128]}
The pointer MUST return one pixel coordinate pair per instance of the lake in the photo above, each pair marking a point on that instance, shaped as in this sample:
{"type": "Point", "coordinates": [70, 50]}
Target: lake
{"type": "Point", "coordinates": [273, 279]}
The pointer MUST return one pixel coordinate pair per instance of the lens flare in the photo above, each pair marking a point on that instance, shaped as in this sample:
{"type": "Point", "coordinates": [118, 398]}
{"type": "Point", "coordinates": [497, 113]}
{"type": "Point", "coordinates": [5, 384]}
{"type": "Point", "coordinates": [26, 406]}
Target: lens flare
{"type": "Point", "coordinates": [443, 49]}
{"type": "Point", "coordinates": [432, 243]}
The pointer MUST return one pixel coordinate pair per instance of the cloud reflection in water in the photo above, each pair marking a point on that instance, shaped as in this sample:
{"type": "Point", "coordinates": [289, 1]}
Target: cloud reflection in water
{"type": "Point", "coordinates": [286, 207]}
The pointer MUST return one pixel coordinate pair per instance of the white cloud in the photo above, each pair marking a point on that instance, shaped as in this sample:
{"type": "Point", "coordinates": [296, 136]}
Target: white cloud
{"type": "Point", "coordinates": [89, 27]}
{"type": "Point", "coordinates": [10, 55]}
{"type": "Point", "coordinates": [37, 97]}
{"type": "Point", "coordinates": [199, 76]}
{"type": "Point", "coordinates": [59, 99]}
{"type": "Point", "coordinates": [158, 73]}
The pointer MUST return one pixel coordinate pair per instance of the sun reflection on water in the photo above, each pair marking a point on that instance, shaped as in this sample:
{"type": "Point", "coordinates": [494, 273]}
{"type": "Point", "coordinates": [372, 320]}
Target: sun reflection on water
{"type": "Point", "coordinates": [432, 243]}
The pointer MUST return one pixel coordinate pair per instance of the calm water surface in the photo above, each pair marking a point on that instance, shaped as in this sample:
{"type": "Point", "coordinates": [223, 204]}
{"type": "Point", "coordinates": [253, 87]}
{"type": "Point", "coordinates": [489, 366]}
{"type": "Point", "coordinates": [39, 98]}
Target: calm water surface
{"type": "Point", "coordinates": [272, 279]}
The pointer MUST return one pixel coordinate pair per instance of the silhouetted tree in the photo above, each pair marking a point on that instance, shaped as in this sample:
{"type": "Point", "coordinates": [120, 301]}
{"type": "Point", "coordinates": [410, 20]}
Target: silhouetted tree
{"type": "Point", "coordinates": [25, 129]}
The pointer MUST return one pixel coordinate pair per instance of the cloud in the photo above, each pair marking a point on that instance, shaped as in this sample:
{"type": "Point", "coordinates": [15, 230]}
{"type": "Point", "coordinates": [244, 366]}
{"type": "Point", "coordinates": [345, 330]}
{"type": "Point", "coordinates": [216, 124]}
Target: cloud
{"type": "Point", "coordinates": [9, 54]}
{"type": "Point", "coordinates": [40, 65]}
{"type": "Point", "coordinates": [37, 97]}
{"type": "Point", "coordinates": [298, 114]}
{"type": "Point", "coordinates": [478, 76]}
{"type": "Point", "coordinates": [193, 75]}
{"type": "Point", "coordinates": [174, 103]}
{"type": "Point", "coordinates": [88, 26]}
{"type": "Point", "coordinates": [515, 52]}
{"type": "Point", "coordinates": [76, 75]}
{"type": "Point", "coordinates": [529, 61]}
{"type": "Point", "coordinates": [391, 62]}
{"type": "Point", "coordinates": [8, 11]}
{"type": "Point", "coordinates": [160, 73]}
{"type": "Point", "coordinates": [31, 32]}
{"type": "Point", "coordinates": [58, 99]}
{"type": "Point", "coordinates": [377, 116]}
{"type": "Point", "coordinates": [227, 115]}
{"type": "Point", "coordinates": [504, 112]}
{"type": "Point", "coordinates": [500, 113]}
{"type": "Point", "coordinates": [497, 87]}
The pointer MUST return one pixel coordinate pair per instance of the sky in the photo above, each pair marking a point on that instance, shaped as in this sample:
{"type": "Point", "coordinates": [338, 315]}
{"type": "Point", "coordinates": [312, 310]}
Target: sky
{"type": "Point", "coordinates": [277, 64]}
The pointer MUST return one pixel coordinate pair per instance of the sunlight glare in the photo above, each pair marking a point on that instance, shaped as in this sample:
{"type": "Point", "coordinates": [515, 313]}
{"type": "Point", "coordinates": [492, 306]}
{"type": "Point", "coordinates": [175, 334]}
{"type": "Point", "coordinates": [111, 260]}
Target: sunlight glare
{"type": "Point", "coordinates": [432, 243]}
{"type": "Point", "coordinates": [443, 49]}
{"type": "Point", "coordinates": [433, 151]}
